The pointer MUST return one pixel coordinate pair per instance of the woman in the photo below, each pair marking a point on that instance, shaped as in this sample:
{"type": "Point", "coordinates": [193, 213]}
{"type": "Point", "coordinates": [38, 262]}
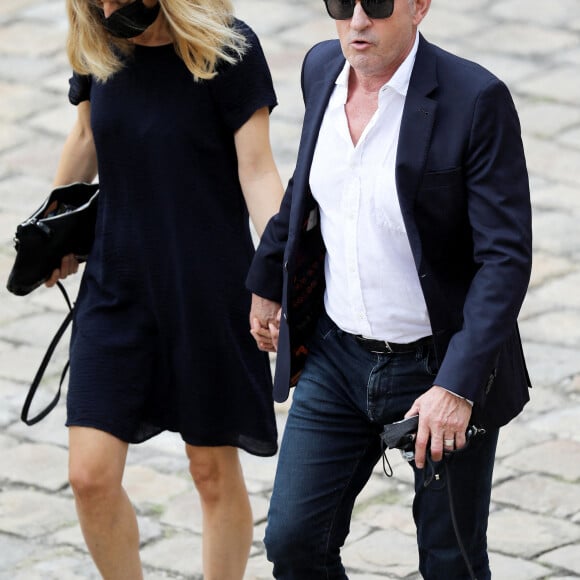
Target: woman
{"type": "Point", "coordinates": [173, 99]}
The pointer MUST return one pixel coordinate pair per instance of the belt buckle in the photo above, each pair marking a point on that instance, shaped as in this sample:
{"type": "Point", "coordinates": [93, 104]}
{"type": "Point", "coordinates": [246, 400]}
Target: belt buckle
{"type": "Point", "coordinates": [388, 347]}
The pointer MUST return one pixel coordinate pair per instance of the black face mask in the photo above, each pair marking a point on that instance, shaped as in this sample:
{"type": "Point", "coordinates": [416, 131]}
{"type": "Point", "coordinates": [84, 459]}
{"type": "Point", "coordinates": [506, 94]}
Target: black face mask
{"type": "Point", "coordinates": [130, 20]}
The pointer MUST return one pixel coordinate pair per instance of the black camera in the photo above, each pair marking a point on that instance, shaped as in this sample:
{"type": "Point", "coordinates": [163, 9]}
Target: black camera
{"type": "Point", "coordinates": [401, 435]}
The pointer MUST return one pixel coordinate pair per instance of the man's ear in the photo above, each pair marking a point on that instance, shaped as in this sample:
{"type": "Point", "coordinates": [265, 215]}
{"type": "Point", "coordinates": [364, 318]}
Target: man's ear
{"type": "Point", "coordinates": [421, 9]}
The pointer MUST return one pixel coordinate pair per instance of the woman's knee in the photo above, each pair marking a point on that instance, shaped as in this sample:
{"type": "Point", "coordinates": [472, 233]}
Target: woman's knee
{"type": "Point", "coordinates": [90, 479]}
{"type": "Point", "coordinates": [213, 469]}
{"type": "Point", "coordinates": [96, 463]}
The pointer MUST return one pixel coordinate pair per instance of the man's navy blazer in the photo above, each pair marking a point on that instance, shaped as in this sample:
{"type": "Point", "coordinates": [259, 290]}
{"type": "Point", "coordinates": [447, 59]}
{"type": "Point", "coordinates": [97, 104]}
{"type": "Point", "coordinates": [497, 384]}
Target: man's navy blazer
{"type": "Point", "coordinates": [464, 194]}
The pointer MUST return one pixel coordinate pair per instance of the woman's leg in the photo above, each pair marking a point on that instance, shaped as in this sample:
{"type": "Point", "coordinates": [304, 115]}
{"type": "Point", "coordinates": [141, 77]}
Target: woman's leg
{"type": "Point", "coordinates": [107, 518]}
{"type": "Point", "coordinates": [227, 516]}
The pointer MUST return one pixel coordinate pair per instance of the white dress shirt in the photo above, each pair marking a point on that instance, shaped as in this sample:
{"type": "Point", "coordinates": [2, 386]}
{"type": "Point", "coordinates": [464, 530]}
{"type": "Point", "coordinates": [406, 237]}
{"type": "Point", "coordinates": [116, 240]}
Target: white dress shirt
{"type": "Point", "coordinates": [372, 286]}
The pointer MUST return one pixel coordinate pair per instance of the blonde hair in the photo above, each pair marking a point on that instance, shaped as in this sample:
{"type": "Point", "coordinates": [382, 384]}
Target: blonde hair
{"type": "Point", "coordinates": [201, 31]}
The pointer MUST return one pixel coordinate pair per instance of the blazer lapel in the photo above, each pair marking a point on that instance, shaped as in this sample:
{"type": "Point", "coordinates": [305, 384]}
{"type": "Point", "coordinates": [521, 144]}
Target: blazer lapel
{"type": "Point", "coordinates": [416, 128]}
{"type": "Point", "coordinates": [317, 93]}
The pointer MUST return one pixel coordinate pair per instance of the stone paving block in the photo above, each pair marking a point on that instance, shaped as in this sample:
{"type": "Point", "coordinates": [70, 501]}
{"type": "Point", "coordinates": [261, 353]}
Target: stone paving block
{"type": "Point", "coordinates": [502, 472]}
{"type": "Point", "coordinates": [540, 494]}
{"type": "Point", "coordinates": [258, 471]}
{"type": "Point", "coordinates": [559, 15]}
{"type": "Point", "coordinates": [541, 328]}
{"type": "Point", "coordinates": [38, 465]}
{"type": "Point", "coordinates": [358, 530]}
{"type": "Point", "coordinates": [37, 330]}
{"type": "Point", "coordinates": [18, 100]}
{"type": "Point", "coordinates": [383, 551]}
{"type": "Point", "coordinates": [286, 16]}
{"type": "Point", "coordinates": [567, 557]}
{"type": "Point", "coordinates": [507, 568]}
{"type": "Point", "coordinates": [21, 195]}
{"type": "Point", "coordinates": [365, 576]}
{"type": "Point", "coordinates": [547, 119]}
{"type": "Point", "coordinates": [13, 308]}
{"type": "Point", "coordinates": [571, 138]}
{"type": "Point", "coordinates": [528, 40]}
{"type": "Point", "coordinates": [149, 531]}
{"type": "Point", "coordinates": [559, 458]}
{"type": "Point", "coordinates": [561, 291]}
{"type": "Point", "coordinates": [11, 401]}
{"type": "Point", "coordinates": [560, 84]}
{"type": "Point", "coordinates": [521, 534]}
{"type": "Point", "coordinates": [147, 487]}
{"type": "Point", "coordinates": [13, 550]}
{"type": "Point", "coordinates": [565, 239]}
{"type": "Point", "coordinates": [52, 428]}
{"type": "Point", "coordinates": [55, 120]}
{"type": "Point", "coordinates": [20, 364]}
{"type": "Point", "coordinates": [21, 69]}
{"type": "Point", "coordinates": [563, 423]}
{"type": "Point", "coordinates": [29, 39]}
{"type": "Point", "coordinates": [547, 159]}
{"type": "Point", "coordinates": [318, 28]}
{"type": "Point", "coordinates": [545, 399]}
{"type": "Point", "coordinates": [39, 157]}
{"type": "Point", "coordinates": [548, 364]}
{"type": "Point", "coordinates": [184, 511]}
{"type": "Point", "coordinates": [11, 8]}
{"type": "Point", "coordinates": [180, 554]}
{"type": "Point", "coordinates": [31, 514]}
{"type": "Point", "coordinates": [7, 442]}
{"type": "Point", "coordinates": [57, 564]}
{"type": "Point", "coordinates": [517, 435]}
{"type": "Point", "coordinates": [387, 516]}
{"type": "Point", "coordinates": [13, 135]}
{"type": "Point", "coordinates": [258, 568]}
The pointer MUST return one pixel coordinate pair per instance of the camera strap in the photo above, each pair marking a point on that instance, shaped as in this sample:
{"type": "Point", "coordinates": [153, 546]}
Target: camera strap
{"type": "Point", "coordinates": [431, 472]}
{"type": "Point", "coordinates": [42, 368]}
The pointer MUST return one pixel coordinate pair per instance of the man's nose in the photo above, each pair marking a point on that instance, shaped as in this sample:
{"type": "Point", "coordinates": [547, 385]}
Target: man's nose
{"type": "Point", "coordinates": [360, 19]}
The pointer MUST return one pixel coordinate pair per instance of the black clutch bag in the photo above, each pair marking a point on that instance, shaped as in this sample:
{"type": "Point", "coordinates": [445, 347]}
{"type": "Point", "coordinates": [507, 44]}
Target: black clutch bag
{"type": "Point", "coordinates": [64, 224]}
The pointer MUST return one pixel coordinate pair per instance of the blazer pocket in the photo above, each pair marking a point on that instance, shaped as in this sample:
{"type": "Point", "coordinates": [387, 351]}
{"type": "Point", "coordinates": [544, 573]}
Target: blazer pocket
{"type": "Point", "coordinates": [448, 178]}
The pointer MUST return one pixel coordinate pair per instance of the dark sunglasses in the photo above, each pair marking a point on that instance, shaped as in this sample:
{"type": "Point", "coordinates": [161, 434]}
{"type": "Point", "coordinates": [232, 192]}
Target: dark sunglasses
{"type": "Point", "coordinates": [344, 9]}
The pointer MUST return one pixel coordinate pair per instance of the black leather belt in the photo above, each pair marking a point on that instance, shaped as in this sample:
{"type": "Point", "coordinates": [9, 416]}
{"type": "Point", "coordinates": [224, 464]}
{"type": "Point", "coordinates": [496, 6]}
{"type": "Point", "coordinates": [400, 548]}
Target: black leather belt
{"type": "Point", "coordinates": [384, 347]}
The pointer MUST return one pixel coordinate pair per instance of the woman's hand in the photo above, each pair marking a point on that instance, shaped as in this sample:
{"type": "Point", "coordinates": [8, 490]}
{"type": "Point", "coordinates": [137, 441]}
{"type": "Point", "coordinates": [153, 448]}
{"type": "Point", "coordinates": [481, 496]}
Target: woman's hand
{"type": "Point", "coordinates": [69, 265]}
{"type": "Point", "coordinates": [265, 323]}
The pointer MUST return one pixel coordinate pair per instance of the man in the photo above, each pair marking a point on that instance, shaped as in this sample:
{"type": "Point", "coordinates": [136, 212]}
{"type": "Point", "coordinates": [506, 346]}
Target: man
{"type": "Point", "coordinates": [400, 258]}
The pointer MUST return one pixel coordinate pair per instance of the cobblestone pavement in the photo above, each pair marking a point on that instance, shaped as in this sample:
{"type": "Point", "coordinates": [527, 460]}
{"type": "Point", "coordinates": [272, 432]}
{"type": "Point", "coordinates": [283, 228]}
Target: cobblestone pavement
{"type": "Point", "coordinates": [534, 529]}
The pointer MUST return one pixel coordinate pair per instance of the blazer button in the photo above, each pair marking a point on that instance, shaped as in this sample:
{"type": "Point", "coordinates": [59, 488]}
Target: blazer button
{"type": "Point", "coordinates": [286, 265]}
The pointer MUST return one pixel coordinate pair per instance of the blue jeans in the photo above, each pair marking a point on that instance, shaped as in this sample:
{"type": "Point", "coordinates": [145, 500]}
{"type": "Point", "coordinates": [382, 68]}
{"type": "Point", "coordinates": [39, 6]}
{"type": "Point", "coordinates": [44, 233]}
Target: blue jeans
{"type": "Point", "coordinates": [332, 442]}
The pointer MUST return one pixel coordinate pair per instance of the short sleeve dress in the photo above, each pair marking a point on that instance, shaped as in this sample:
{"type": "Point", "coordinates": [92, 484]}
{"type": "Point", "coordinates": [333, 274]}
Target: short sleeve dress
{"type": "Point", "coordinates": [161, 334]}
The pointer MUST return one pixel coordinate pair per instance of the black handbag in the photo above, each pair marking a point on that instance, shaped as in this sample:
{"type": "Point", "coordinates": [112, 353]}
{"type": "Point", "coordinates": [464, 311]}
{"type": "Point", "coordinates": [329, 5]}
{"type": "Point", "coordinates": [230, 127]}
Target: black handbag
{"type": "Point", "coordinates": [64, 224]}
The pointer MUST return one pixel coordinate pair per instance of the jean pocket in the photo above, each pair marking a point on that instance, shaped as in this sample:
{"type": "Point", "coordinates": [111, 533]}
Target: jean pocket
{"type": "Point", "coordinates": [430, 362]}
{"type": "Point", "coordinates": [325, 327]}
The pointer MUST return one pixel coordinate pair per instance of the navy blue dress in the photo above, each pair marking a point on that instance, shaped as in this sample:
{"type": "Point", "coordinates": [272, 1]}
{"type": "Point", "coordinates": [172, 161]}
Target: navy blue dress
{"type": "Point", "coordinates": [161, 334]}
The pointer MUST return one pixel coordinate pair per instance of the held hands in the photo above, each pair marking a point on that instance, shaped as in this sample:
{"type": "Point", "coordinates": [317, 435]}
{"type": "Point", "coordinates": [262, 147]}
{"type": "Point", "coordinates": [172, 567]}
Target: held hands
{"type": "Point", "coordinates": [265, 323]}
{"type": "Point", "coordinates": [443, 420]}
{"type": "Point", "coordinates": [69, 265]}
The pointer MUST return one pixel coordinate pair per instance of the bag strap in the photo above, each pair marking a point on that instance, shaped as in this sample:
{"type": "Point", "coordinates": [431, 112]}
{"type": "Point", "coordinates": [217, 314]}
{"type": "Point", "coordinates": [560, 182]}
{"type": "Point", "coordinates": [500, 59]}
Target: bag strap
{"type": "Point", "coordinates": [42, 368]}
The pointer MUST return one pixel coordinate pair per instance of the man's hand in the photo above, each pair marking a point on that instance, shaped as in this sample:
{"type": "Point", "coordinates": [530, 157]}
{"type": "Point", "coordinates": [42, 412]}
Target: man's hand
{"type": "Point", "coordinates": [69, 265]}
{"type": "Point", "coordinates": [443, 419]}
{"type": "Point", "coordinates": [265, 322]}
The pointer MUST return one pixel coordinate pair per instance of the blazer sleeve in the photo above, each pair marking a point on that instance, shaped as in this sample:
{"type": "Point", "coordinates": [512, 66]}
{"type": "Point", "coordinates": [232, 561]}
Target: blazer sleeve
{"type": "Point", "coordinates": [499, 212]}
{"type": "Point", "coordinates": [266, 271]}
